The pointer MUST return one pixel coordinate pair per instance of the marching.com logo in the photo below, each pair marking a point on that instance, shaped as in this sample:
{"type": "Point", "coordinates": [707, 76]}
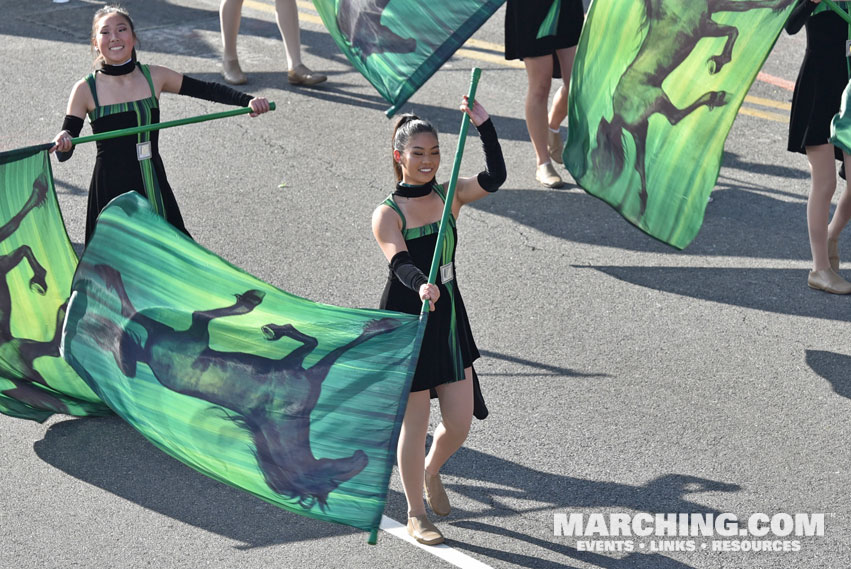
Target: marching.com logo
{"type": "Point", "coordinates": [667, 532]}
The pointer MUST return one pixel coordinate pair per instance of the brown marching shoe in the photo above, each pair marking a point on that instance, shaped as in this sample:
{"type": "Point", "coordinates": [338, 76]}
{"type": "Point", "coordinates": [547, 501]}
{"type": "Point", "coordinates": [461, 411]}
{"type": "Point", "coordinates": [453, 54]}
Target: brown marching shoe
{"type": "Point", "coordinates": [435, 495]}
{"type": "Point", "coordinates": [555, 146]}
{"type": "Point", "coordinates": [232, 72]}
{"type": "Point", "coordinates": [422, 530]}
{"type": "Point", "coordinates": [546, 174]}
{"type": "Point", "coordinates": [301, 75]}
{"type": "Point", "coordinates": [828, 281]}
{"type": "Point", "coordinates": [833, 253]}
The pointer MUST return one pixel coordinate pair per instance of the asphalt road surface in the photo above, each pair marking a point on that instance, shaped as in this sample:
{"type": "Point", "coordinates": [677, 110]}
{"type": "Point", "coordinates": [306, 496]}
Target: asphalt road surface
{"type": "Point", "coordinates": [623, 377]}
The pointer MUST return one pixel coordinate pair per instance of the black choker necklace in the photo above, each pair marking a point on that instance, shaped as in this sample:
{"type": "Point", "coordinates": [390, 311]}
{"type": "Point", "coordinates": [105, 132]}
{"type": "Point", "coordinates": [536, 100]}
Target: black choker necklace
{"type": "Point", "coordinates": [123, 69]}
{"type": "Point", "coordinates": [408, 191]}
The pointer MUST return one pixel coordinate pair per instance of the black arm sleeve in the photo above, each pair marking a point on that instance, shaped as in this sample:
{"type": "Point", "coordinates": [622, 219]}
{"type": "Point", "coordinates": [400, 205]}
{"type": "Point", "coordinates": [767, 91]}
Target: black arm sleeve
{"type": "Point", "coordinates": [407, 272]}
{"type": "Point", "coordinates": [494, 173]}
{"type": "Point", "coordinates": [799, 16]}
{"type": "Point", "coordinates": [215, 92]}
{"type": "Point", "coordinates": [73, 125]}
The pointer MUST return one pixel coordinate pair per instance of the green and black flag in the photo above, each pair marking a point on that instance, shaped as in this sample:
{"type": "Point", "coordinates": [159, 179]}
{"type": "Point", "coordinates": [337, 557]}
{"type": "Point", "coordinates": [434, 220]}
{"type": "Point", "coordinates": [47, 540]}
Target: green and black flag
{"type": "Point", "coordinates": [296, 402]}
{"type": "Point", "coordinates": [656, 86]}
{"type": "Point", "coordinates": [37, 263]}
{"type": "Point", "coordinates": [398, 44]}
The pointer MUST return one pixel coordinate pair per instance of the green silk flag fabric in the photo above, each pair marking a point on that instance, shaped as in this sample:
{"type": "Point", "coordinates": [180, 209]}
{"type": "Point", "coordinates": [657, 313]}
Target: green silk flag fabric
{"type": "Point", "coordinates": [398, 44]}
{"type": "Point", "coordinates": [655, 88]}
{"type": "Point", "coordinates": [37, 264]}
{"type": "Point", "coordinates": [296, 402]}
{"type": "Point", "coordinates": [840, 126]}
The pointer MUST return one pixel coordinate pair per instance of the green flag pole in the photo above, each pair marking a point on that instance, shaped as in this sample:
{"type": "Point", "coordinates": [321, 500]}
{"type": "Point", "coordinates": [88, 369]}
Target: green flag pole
{"type": "Point", "coordinates": [11, 154]}
{"type": "Point", "coordinates": [842, 13]}
{"type": "Point", "coordinates": [453, 180]}
{"type": "Point", "coordinates": [162, 125]}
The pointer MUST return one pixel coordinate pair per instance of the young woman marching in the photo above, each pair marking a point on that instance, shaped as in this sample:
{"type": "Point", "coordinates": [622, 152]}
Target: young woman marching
{"type": "Point", "coordinates": [122, 93]}
{"type": "Point", "coordinates": [405, 226]}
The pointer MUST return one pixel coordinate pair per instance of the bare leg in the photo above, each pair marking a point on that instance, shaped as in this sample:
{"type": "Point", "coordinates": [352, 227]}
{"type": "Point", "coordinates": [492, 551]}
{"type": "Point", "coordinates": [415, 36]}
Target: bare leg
{"type": "Point", "coordinates": [456, 409]}
{"type": "Point", "coordinates": [843, 209]}
{"type": "Point", "coordinates": [410, 453]}
{"type": "Point", "coordinates": [286, 14]}
{"type": "Point", "coordinates": [823, 171]}
{"type": "Point", "coordinates": [539, 71]}
{"type": "Point", "coordinates": [558, 111]}
{"type": "Point", "coordinates": [230, 14]}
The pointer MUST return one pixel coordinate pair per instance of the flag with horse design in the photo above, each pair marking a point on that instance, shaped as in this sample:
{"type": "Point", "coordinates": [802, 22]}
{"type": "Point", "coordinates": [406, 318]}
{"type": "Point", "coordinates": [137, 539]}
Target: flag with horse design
{"type": "Point", "coordinates": [655, 88]}
{"type": "Point", "coordinates": [398, 44]}
{"type": "Point", "coordinates": [296, 402]}
{"type": "Point", "coordinates": [37, 263]}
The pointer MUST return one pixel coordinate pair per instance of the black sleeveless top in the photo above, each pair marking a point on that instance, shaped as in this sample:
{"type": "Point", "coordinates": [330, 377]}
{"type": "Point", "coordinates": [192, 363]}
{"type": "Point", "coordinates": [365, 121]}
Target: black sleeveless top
{"type": "Point", "coordinates": [129, 162]}
{"type": "Point", "coordinates": [448, 346]}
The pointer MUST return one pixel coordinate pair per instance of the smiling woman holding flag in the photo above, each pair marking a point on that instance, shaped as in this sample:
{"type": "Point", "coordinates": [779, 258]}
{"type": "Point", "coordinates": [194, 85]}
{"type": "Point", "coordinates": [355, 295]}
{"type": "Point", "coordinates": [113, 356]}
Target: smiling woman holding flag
{"type": "Point", "coordinates": [122, 93]}
{"type": "Point", "coordinates": [408, 230]}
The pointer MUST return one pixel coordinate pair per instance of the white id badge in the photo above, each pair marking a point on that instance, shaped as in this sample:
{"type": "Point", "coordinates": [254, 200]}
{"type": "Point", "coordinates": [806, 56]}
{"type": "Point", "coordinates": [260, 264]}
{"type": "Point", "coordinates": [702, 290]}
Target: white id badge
{"type": "Point", "coordinates": [447, 273]}
{"type": "Point", "coordinates": [143, 151]}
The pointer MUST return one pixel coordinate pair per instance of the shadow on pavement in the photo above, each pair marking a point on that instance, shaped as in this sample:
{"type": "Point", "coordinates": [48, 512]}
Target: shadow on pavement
{"type": "Point", "coordinates": [834, 368]}
{"type": "Point", "coordinates": [110, 454]}
{"type": "Point", "coordinates": [739, 222]}
{"type": "Point", "coordinates": [781, 291]}
{"type": "Point", "coordinates": [545, 369]}
{"type": "Point", "coordinates": [735, 161]}
{"type": "Point", "coordinates": [632, 560]}
{"type": "Point", "coordinates": [497, 481]}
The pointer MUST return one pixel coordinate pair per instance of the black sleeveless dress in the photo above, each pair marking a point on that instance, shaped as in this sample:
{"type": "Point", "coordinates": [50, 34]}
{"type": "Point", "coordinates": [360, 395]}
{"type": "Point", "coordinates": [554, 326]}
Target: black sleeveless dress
{"type": "Point", "coordinates": [448, 346]}
{"type": "Point", "coordinates": [821, 80]}
{"type": "Point", "coordinates": [129, 162]}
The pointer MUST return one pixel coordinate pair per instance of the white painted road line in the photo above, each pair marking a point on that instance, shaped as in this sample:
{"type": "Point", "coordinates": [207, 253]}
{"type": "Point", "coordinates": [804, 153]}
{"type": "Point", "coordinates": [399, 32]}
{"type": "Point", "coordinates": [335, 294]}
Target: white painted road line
{"type": "Point", "coordinates": [442, 551]}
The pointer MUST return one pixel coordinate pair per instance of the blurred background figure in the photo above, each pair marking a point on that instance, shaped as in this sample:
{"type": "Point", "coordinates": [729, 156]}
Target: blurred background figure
{"type": "Point", "coordinates": [286, 14]}
{"type": "Point", "coordinates": [544, 34]}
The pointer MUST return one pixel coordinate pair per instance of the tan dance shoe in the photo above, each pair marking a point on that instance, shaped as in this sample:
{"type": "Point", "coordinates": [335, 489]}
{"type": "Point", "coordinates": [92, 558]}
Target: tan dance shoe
{"type": "Point", "coordinates": [546, 174]}
{"type": "Point", "coordinates": [833, 253]}
{"type": "Point", "coordinates": [232, 72]}
{"type": "Point", "coordinates": [555, 146]}
{"type": "Point", "coordinates": [422, 530]}
{"type": "Point", "coordinates": [828, 281]}
{"type": "Point", "coordinates": [301, 75]}
{"type": "Point", "coordinates": [435, 495]}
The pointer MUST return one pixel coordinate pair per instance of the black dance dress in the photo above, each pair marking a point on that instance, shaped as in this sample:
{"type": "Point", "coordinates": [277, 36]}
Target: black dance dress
{"type": "Point", "coordinates": [822, 78]}
{"type": "Point", "coordinates": [448, 345]}
{"type": "Point", "coordinates": [523, 21]}
{"type": "Point", "coordinates": [129, 162]}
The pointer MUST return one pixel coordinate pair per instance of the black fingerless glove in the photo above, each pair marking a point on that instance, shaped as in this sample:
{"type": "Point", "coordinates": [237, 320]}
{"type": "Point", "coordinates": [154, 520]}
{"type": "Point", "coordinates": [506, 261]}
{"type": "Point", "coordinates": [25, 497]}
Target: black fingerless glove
{"type": "Point", "coordinates": [215, 92]}
{"type": "Point", "coordinates": [799, 16]}
{"type": "Point", "coordinates": [73, 125]}
{"type": "Point", "coordinates": [493, 176]}
{"type": "Point", "coordinates": [407, 272]}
